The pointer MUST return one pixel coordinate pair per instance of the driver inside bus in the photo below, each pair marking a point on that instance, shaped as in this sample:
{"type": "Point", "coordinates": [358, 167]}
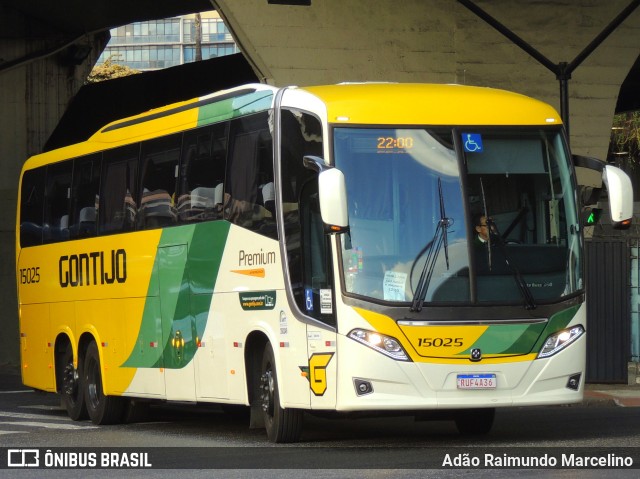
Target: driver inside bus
{"type": "Point", "coordinates": [481, 229]}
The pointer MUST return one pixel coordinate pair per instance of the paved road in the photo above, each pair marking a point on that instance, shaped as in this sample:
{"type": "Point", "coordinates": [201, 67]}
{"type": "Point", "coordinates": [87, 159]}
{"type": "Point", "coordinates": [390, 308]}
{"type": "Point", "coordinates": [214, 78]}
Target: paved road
{"type": "Point", "coordinates": [204, 437]}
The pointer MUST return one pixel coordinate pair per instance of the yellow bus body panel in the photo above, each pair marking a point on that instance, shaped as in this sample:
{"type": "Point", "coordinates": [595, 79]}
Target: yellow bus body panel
{"type": "Point", "coordinates": [428, 104]}
{"type": "Point", "coordinates": [54, 305]}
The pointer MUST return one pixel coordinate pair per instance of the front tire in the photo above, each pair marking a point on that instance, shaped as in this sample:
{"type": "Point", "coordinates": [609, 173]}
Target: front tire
{"type": "Point", "coordinates": [102, 409]}
{"type": "Point", "coordinates": [71, 387]}
{"type": "Point", "coordinates": [282, 425]}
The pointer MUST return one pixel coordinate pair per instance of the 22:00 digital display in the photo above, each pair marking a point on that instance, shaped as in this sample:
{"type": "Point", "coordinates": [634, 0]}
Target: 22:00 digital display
{"type": "Point", "coordinates": [386, 143]}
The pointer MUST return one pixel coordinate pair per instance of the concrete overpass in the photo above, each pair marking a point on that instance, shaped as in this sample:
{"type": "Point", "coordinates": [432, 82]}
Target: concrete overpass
{"type": "Point", "coordinates": [47, 49]}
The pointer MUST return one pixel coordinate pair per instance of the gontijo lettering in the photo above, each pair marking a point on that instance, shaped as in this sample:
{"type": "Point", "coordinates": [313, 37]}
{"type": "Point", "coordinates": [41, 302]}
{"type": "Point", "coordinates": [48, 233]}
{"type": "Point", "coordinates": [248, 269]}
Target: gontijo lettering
{"type": "Point", "coordinates": [94, 268]}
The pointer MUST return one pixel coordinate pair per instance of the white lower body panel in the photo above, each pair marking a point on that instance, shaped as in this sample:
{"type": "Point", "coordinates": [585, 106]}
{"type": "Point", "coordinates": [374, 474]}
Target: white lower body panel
{"type": "Point", "coordinates": [401, 385]}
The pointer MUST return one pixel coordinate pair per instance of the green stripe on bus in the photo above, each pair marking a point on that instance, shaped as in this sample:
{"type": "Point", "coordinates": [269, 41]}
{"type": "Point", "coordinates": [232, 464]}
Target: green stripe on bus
{"type": "Point", "coordinates": [234, 107]}
{"type": "Point", "coordinates": [177, 307]}
{"type": "Point", "coordinates": [516, 339]}
{"type": "Point", "coordinates": [507, 339]}
{"type": "Point", "coordinates": [557, 322]}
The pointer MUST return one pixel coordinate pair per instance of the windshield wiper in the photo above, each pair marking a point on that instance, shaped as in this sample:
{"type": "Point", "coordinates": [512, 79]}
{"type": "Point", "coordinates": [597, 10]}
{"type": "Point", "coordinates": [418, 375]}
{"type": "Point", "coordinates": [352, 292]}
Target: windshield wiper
{"type": "Point", "coordinates": [529, 302]}
{"type": "Point", "coordinates": [445, 223]}
{"type": "Point", "coordinates": [433, 247]}
{"type": "Point", "coordinates": [486, 217]}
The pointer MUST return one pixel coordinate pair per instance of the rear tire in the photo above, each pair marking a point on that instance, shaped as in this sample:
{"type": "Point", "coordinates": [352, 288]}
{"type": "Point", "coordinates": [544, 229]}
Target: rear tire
{"type": "Point", "coordinates": [102, 409]}
{"type": "Point", "coordinates": [475, 422]}
{"type": "Point", "coordinates": [282, 425]}
{"type": "Point", "coordinates": [71, 387]}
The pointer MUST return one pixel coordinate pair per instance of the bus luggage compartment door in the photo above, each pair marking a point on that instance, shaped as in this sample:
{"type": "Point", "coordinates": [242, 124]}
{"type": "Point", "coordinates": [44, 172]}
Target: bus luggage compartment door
{"type": "Point", "coordinates": [177, 323]}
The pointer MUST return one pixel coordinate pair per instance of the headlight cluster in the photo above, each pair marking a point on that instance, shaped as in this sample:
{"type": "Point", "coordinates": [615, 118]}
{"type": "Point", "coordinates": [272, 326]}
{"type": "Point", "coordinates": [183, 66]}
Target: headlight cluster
{"type": "Point", "coordinates": [560, 340]}
{"type": "Point", "coordinates": [383, 344]}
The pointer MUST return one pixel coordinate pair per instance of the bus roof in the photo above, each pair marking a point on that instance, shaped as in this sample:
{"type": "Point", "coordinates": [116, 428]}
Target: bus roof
{"type": "Point", "coordinates": [430, 104]}
{"type": "Point", "coordinates": [173, 118]}
{"type": "Point", "coordinates": [347, 103]}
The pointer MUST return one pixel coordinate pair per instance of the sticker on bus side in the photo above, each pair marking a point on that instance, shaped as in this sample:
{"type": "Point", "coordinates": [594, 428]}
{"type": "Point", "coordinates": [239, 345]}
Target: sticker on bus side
{"type": "Point", "coordinates": [472, 142]}
{"type": "Point", "coordinates": [316, 372]}
{"type": "Point", "coordinates": [257, 300]}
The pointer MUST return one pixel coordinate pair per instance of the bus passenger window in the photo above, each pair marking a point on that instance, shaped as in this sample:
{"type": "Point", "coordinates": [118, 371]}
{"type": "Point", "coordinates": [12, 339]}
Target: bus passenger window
{"type": "Point", "coordinates": [250, 194]}
{"type": "Point", "coordinates": [85, 196]}
{"type": "Point", "coordinates": [159, 182]}
{"type": "Point", "coordinates": [117, 209]}
{"type": "Point", "coordinates": [204, 154]}
{"type": "Point", "coordinates": [31, 207]}
{"type": "Point", "coordinates": [57, 199]}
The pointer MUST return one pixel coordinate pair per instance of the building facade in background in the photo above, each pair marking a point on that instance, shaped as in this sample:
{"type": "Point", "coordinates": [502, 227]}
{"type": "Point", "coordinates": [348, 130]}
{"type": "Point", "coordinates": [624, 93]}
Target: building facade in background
{"type": "Point", "coordinates": [157, 44]}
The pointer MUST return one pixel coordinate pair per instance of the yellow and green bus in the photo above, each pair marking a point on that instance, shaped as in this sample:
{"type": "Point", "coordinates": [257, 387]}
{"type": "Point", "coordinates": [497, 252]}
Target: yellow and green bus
{"type": "Point", "coordinates": [310, 249]}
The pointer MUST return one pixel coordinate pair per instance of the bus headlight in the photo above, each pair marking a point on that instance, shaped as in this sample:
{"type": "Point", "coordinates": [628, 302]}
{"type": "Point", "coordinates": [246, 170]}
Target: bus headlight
{"type": "Point", "coordinates": [560, 340]}
{"type": "Point", "coordinates": [383, 344]}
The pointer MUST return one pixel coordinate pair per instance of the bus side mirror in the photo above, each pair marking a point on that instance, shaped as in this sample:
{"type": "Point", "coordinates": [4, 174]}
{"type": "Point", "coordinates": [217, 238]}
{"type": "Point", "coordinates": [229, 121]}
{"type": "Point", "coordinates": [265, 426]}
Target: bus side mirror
{"type": "Point", "coordinates": [620, 196]}
{"type": "Point", "coordinates": [332, 193]}
{"type": "Point", "coordinates": [619, 191]}
{"type": "Point", "coordinates": [332, 190]}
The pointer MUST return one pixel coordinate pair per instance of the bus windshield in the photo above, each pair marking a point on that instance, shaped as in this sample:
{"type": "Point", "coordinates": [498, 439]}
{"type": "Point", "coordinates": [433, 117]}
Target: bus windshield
{"type": "Point", "coordinates": [494, 220]}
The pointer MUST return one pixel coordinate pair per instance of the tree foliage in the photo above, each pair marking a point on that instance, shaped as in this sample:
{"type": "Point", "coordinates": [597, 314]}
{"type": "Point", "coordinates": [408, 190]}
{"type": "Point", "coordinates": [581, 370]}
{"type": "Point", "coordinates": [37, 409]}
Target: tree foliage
{"type": "Point", "coordinates": [109, 70]}
{"type": "Point", "coordinates": [625, 138]}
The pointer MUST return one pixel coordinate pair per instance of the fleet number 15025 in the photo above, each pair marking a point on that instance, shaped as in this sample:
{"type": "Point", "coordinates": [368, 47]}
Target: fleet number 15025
{"type": "Point", "coordinates": [30, 275]}
{"type": "Point", "coordinates": [440, 342]}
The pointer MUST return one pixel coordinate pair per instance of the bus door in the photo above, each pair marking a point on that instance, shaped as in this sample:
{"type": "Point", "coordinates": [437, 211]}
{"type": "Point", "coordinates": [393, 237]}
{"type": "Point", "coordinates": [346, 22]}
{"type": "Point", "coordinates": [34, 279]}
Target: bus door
{"type": "Point", "coordinates": [178, 323]}
{"type": "Point", "coordinates": [319, 300]}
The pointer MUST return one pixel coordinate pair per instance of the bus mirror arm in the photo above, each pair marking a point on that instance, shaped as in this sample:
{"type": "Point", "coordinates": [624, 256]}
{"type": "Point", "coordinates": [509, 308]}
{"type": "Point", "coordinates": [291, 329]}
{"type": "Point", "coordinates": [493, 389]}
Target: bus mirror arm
{"type": "Point", "coordinates": [332, 192]}
{"type": "Point", "coordinates": [315, 163]}
{"type": "Point", "coordinates": [619, 189]}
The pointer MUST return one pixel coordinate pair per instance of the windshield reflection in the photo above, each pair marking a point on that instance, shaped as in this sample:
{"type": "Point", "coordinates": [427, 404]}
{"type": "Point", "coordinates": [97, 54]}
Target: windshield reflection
{"type": "Point", "coordinates": [392, 178]}
{"type": "Point", "coordinates": [397, 181]}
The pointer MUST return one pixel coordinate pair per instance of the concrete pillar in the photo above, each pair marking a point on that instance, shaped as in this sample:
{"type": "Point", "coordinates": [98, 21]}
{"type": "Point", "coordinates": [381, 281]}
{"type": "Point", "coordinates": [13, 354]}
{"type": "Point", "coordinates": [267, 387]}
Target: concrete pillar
{"type": "Point", "coordinates": [33, 96]}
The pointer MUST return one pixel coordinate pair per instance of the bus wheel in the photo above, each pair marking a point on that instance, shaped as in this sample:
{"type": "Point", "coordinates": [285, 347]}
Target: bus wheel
{"type": "Point", "coordinates": [475, 422]}
{"type": "Point", "coordinates": [102, 409]}
{"type": "Point", "coordinates": [283, 425]}
{"type": "Point", "coordinates": [71, 390]}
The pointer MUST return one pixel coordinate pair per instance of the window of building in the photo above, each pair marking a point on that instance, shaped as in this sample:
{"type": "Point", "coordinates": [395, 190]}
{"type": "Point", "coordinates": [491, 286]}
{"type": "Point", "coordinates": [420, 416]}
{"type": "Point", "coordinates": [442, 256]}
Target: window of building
{"type": "Point", "coordinates": [158, 44]}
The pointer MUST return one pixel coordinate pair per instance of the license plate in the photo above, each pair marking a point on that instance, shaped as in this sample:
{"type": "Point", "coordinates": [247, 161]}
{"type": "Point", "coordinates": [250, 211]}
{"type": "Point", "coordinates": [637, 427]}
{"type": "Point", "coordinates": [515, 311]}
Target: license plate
{"type": "Point", "coordinates": [477, 381]}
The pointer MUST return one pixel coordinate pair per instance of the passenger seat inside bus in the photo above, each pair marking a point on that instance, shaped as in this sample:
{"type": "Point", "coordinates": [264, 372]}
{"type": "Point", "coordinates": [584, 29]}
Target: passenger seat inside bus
{"type": "Point", "coordinates": [61, 232]}
{"type": "Point", "coordinates": [87, 222]}
{"type": "Point", "coordinates": [156, 209]}
{"type": "Point", "coordinates": [202, 203]}
{"type": "Point", "coordinates": [268, 198]}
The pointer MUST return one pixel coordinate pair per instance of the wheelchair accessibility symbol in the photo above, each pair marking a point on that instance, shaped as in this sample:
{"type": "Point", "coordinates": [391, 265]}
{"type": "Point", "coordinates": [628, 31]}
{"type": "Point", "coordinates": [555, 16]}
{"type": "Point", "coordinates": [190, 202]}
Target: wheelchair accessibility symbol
{"type": "Point", "coordinates": [308, 299]}
{"type": "Point", "coordinates": [472, 142]}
